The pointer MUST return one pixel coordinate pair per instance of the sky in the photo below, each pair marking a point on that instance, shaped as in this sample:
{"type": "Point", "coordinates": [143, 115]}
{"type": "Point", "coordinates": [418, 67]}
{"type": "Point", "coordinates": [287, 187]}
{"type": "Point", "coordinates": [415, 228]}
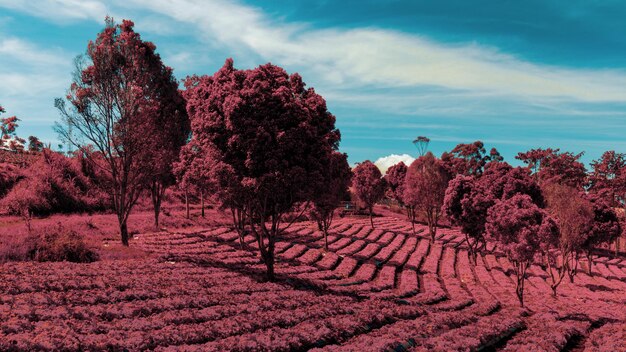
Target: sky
{"type": "Point", "coordinates": [516, 75]}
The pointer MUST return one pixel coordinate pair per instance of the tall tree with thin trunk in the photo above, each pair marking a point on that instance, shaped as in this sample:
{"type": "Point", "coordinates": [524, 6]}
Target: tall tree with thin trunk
{"type": "Point", "coordinates": [172, 133]}
{"type": "Point", "coordinates": [394, 178]}
{"type": "Point", "coordinates": [608, 181]}
{"type": "Point", "coordinates": [116, 101]}
{"type": "Point", "coordinates": [425, 189]}
{"type": "Point", "coordinates": [333, 188]}
{"type": "Point", "coordinates": [605, 227]}
{"type": "Point", "coordinates": [369, 186]}
{"type": "Point", "coordinates": [268, 139]}
{"type": "Point", "coordinates": [575, 216]}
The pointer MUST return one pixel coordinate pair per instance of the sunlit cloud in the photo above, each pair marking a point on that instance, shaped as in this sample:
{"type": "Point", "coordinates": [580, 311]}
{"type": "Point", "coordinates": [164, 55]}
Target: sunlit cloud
{"type": "Point", "coordinates": [388, 161]}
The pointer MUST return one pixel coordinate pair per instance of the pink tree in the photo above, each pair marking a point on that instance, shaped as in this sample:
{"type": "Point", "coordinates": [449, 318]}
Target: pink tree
{"type": "Point", "coordinates": [574, 215]}
{"type": "Point", "coordinates": [120, 102]}
{"type": "Point", "coordinates": [425, 189]}
{"type": "Point", "coordinates": [269, 140]}
{"type": "Point", "coordinates": [8, 136]}
{"type": "Point", "coordinates": [604, 228]}
{"type": "Point", "coordinates": [608, 181]}
{"type": "Point", "coordinates": [517, 225]}
{"type": "Point", "coordinates": [192, 172]}
{"type": "Point", "coordinates": [468, 199]}
{"type": "Point", "coordinates": [369, 185]}
{"type": "Point", "coordinates": [394, 178]}
{"type": "Point", "coordinates": [333, 189]}
{"type": "Point", "coordinates": [551, 165]}
{"type": "Point", "coordinates": [172, 132]}
{"type": "Point", "coordinates": [469, 159]}
{"type": "Point", "coordinates": [466, 204]}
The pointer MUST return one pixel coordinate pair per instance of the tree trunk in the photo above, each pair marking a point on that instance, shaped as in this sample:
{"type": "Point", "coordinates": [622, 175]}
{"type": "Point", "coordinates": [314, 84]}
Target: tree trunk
{"type": "Point", "coordinates": [157, 211]}
{"type": "Point", "coordinates": [521, 277]}
{"type": "Point", "coordinates": [411, 215]}
{"type": "Point", "coordinates": [269, 263]}
{"type": "Point", "coordinates": [124, 233]}
{"type": "Point", "coordinates": [431, 228]}
{"type": "Point", "coordinates": [572, 267]}
{"type": "Point", "coordinates": [156, 192]}
{"type": "Point", "coordinates": [202, 202]}
{"type": "Point", "coordinates": [187, 203]}
{"type": "Point", "coordinates": [326, 239]}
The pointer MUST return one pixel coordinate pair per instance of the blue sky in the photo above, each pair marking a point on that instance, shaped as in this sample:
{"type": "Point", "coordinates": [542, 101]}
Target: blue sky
{"type": "Point", "coordinates": [517, 75]}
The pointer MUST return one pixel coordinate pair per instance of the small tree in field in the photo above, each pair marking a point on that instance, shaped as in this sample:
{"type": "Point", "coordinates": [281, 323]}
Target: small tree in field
{"type": "Point", "coordinates": [466, 204]}
{"type": "Point", "coordinates": [269, 140]}
{"type": "Point", "coordinates": [192, 173]}
{"type": "Point", "coordinates": [334, 188]}
{"type": "Point", "coordinates": [170, 135]}
{"type": "Point", "coordinates": [604, 229]}
{"type": "Point", "coordinates": [468, 199]}
{"type": "Point", "coordinates": [425, 189]}
{"type": "Point", "coordinates": [574, 215]}
{"type": "Point", "coordinates": [369, 185]}
{"type": "Point", "coordinates": [394, 179]}
{"type": "Point", "coordinates": [608, 181]}
{"type": "Point", "coordinates": [517, 225]}
{"type": "Point", "coordinates": [119, 102]}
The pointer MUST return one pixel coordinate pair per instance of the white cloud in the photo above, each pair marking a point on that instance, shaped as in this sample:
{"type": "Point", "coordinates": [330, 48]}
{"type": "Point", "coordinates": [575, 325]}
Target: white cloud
{"type": "Point", "coordinates": [359, 57]}
{"type": "Point", "coordinates": [31, 78]}
{"type": "Point", "coordinates": [390, 160]}
{"type": "Point", "coordinates": [369, 56]}
{"type": "Point", "coordinates": [59, 10]}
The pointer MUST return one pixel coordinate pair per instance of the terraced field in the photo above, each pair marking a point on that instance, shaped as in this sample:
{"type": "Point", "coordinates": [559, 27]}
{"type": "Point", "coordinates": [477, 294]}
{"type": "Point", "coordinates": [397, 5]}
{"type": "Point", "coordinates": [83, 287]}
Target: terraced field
{"type": "Point", "coordinates": [381, 289]}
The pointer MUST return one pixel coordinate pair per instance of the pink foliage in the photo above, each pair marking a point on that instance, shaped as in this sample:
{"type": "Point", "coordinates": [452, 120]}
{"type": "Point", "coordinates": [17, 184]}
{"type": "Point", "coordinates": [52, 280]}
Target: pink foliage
{"type": "Point", "coordinates": [425, 188]}
{"type": "Point", "coordinates": [269, 141]}
{"type": "Point", "coordinates": [394, 178]}
{"type": "Point", "coordinates": [369, 186]}
{"type": "Point", "coordinates": [468, 199]}
{"type": "Point", "coordinates": [551, 165]}
{"type": "Point", "coordinates": [333, 188]}
{"type": "Point", "coordinates": [125, 103]}
{"type": "Point", "coordinates": [469, 159]}
{"type": "Point", "coordinates": [54, 184]}
{"type": "Point", "coordinates": [517, 226]}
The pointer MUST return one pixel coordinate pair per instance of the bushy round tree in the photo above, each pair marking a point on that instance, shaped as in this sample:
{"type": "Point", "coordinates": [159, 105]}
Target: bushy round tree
{"type": "Point", "coordinates": [333, 189]}
{"type": "Point", "coordinates": [269, 141]}
{"type": "Point", "coordinates": [369, 185]}
{"type": "Point", "coordinates": [605, 227]}
{"type": "Point", "coordinates": [425, 188]}
{"type": "Point", "coordinates": [518, 225]}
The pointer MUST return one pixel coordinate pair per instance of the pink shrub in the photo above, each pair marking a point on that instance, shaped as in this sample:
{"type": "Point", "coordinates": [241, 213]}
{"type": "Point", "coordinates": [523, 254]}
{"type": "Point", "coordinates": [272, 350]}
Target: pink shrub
{"type": "Point", "coordinates": [54, 184]}
{"type": "Point", "coordinates": [49, 244]}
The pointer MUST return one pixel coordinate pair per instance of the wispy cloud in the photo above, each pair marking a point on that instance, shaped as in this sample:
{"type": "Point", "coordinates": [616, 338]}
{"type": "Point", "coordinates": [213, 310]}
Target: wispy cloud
{"type": "Point", "coordinates": [368, 56]}
{"type": "Point", "coordinates": [30, 75]}
{"type": "Point", "coordinates": [59, 10]}
{"type": "Point", "coordinates": [361, 56]}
